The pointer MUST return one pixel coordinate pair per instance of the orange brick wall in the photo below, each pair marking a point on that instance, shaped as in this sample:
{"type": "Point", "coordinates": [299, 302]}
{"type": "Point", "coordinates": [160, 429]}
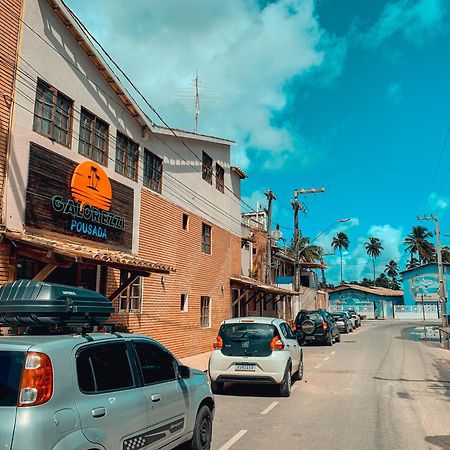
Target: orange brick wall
{"type": "Point", "coordinates": [162, 239]}
{"type": "Point", "coordinates": [10, 11]}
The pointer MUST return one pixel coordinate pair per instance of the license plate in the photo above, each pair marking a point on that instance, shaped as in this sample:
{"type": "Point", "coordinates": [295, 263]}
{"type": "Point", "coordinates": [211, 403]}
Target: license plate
{"type": "Point", "coordinates": [245, 367]}
{"type": "Point", "coordinates": [310, 338]}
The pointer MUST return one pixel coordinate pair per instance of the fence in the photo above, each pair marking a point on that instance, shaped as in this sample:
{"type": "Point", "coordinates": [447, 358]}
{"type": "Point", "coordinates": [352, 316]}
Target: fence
{"type": "Point", "coordinates": [365, 310]}
{"type": "Point", "coordinates": [418, 312]}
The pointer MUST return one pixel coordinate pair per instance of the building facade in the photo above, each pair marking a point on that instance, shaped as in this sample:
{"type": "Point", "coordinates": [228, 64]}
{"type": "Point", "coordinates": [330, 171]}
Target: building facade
{"type": "Point", "coordinates": [99, 196]}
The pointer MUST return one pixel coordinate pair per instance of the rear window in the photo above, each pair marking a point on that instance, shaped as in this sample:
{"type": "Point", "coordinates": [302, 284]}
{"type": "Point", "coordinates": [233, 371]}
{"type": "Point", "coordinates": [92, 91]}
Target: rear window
{"type": "Point", "coordinates": [247, 339]}
{"type": "Point", "coordinates": [314, 316]}
{"type": "Point", "coordinates": [11, 364]}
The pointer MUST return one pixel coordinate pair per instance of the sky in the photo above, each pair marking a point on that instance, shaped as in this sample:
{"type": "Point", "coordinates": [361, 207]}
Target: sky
{"type": "Point", "coordinates": [351, 95]}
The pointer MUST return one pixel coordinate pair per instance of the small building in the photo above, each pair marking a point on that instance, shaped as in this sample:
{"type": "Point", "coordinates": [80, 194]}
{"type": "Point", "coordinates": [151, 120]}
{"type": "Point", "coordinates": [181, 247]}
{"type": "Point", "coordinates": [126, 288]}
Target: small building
{"type": "Point", "coordinates": [374, 302]}
{"type": "Point", "coordinates": [421, 285]}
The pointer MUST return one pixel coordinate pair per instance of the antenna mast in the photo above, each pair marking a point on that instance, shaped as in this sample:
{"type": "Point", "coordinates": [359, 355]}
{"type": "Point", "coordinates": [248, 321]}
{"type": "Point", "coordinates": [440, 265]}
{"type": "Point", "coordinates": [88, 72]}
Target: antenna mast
{"type": "Point", "coordinates": [197, 100]}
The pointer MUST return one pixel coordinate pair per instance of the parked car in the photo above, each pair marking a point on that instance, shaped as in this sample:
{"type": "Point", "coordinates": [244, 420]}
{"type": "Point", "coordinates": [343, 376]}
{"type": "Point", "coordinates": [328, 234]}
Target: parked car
{"type": "Point", "coordinates": [343, 322]}
{"type": "Point", "coordinates": [256, 350]}
{"type": "Point", "coordinates": [356, 316]}
{"type": "Point", "coordinates": [316, 326]}
{"type": "Point", "coordinates": [351, 318]}
{"type": "Point", "coordinates": [93, 391]}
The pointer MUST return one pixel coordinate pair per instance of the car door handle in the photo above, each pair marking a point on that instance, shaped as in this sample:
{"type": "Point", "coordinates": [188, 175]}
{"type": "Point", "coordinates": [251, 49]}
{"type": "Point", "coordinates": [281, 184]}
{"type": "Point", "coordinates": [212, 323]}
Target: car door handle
{"type": "Point", "coordinates": [156, 397]}
{"type": "Point", "coordinates": [98, 412]}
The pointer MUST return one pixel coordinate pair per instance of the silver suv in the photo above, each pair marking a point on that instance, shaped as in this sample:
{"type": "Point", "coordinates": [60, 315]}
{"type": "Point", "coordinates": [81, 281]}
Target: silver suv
{"type": "Point", "coordinates": [98, 391]}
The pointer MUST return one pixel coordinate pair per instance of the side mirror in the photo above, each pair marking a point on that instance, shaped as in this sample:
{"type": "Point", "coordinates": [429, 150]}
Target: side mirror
{"type": "Point", "coordinates": [185, 372]}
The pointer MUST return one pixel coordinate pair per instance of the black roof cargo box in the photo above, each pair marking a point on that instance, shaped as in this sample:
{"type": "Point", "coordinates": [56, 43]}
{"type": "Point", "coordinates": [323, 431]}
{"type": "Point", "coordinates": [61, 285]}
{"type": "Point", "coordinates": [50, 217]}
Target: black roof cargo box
{"type": "Point", "coordinates": [36, 303]}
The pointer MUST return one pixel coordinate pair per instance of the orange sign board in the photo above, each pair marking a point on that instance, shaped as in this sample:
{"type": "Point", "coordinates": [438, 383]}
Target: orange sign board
{"type": "Point", "coordinates": [90, 185]}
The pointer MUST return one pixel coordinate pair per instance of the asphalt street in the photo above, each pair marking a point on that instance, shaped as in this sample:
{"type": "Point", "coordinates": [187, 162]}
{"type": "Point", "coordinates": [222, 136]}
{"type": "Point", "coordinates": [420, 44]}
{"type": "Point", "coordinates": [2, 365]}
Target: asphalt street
{"type": "Point", "coordinates": [382, 387]}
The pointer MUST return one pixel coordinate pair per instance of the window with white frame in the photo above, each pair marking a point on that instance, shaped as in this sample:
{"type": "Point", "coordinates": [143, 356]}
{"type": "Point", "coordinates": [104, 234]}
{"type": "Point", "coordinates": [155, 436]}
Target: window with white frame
{"type": "Point", "coordinates": [184, 304]}
{"type": "Point", "coordinates": [131, 298]}
{"type": "Point", "coordinates": [206, 238]}
{"type": "Point", "coordinates": [205, 312]}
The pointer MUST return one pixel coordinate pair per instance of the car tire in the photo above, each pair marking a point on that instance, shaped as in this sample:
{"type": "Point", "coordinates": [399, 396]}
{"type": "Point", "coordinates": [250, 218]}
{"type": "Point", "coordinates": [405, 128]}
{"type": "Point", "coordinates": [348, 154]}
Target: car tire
{"type": "Point", "coordinates": [216, 387]}
{"type": "Point", "coordinates": [201, 440]}
{"type": "Point", "coordinates": [285, 386]}
{"type": "Point", "coordinates": [338, 337]}
{"type": "Point", "coordinates": [298, 375]}
{"type": "Point", "coordinates": [329, 340]}
{"type": "Point", "coordinates": [351, 329]}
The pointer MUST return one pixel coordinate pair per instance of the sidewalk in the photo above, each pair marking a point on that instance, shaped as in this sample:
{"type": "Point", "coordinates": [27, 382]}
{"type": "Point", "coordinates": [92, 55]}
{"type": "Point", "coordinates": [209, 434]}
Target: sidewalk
{"type": "Point", "coordinates": [199, 361]}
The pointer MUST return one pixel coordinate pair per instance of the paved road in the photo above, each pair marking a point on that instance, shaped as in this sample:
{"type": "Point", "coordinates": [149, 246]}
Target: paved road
{"type": "Point", "coordinates": [378, 389]}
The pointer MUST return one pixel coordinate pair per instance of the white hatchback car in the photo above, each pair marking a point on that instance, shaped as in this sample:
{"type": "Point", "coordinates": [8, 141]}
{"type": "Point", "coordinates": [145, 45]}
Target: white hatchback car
{"type": "Point", "coordinates": [256, 350]}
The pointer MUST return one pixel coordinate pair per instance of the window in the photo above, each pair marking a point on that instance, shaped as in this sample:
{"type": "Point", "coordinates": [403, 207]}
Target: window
{"type": "Point", "coordinates": [207, 167]}
{"type": "Point", "coordinates": [152, 171]}
{"type": "Point", "coordinates": [157, 365]}
{"type": "Point", "coordinates": [52, 114]}
{"type": "Point", "coordinates": [184, 305]}
{"type": "Point", "coordinates": [130, 298]}
{"type": "Point", "coordinates": [206, 238]}
{"type": "Point", "coordinates": [93, 142]}
{"type": "Point", "coordinates": [127, 154]}
{"type": "Point", "coordinates": [220, 174]}
{"type": "Point", "coordinates": [11, 364]}
{"type": "Point", "coordinates": [205, 312]}
{"type": "Point", "coordinates": [103, 368]}
{"type": "Point", "coordinates": [185, 222]}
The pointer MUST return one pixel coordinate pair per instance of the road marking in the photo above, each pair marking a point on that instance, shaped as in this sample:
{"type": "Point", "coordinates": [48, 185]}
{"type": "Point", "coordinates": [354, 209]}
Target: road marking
{"type": "Point", "coordinates": [333, 352]}
{"type": "Point", "coordinates": [317, 366]}
{"type": "Point", "coordinates": [233, 440]}
{"type": "Point", "coordinates": [326, 359]}
{"type": "Point", "coordinates": [270, 407]}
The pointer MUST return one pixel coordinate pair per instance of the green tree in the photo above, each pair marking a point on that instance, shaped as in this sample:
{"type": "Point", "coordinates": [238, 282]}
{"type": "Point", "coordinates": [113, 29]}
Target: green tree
{"type": "Point", "coordinates": [412, 263]}
{"type": "Point", "coordinates": [340, 241]}
{"type": "Point", "coordinates": [383, 281]}
{"type": "Point", "coordinates": [391, 270]}
{"type": "Point", "coordinates": [373, 248]}
{"type": "Point", "coordinates": [417, 244]}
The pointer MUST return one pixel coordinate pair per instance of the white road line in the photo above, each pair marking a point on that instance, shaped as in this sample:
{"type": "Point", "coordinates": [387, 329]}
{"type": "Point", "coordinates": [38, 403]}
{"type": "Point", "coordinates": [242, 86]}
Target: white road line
{"type": "Point", "coordinates": [270, 407]}
{"type": "Point", "coordinates": [233, 440]}
{"type": "Point", "coordinates": [326, 359]}
{"type": "Point", "coordinates": [333, 352]}
{"type": "Point", "coordinates": [317, 366]}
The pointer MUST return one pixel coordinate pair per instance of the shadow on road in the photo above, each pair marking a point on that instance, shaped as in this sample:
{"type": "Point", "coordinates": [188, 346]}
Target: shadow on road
{"type": "Point", "coordinates": [252, 390]}
{"type": "Point", "coordinates": [442, 441]}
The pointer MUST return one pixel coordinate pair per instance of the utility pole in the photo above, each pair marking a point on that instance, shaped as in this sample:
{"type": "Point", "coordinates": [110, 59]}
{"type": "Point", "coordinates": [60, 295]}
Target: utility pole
{"type": "Point", "coordinates": [442, 289]}
{"type": "Point", "coordinates": [268, 275]}
{"type": "Point", "coordinates": [298, 206]}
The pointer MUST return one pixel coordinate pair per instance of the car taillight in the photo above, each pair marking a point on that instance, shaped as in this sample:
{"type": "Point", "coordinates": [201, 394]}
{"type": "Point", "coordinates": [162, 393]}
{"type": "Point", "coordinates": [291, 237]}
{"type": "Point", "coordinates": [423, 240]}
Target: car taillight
{"type": "Point", "coordinates": [294, 327]}
{"type": "Point", "coordinates": [324, 326]}
{"type": "Point", "coordinates": [218, 343]}
{"type": "Point", "coordinates": [36, 384]}
{"type": "Point", "coordinates": [276, 343]}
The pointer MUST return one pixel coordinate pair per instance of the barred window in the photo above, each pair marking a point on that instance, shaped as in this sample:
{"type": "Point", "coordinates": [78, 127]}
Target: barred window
{"type": "Point", "coordinates": [205, 312]}
{"type": "Point", "coordinates": [52, 114]}
{"type": "Point", "coordinates": [153, 166]}
{"type": "Point", "coordinates": [206, 238]}
{"type": "Point", "coordinates": [127, 154]}
{"type": "Point", "coordinates": [130, 298]}
{"type": "Point", "coordinates": [207, 169]}
{"type": "Point", "coordinates": [220, 175]}
{"type": "Point", "coordinates": [93, 142]}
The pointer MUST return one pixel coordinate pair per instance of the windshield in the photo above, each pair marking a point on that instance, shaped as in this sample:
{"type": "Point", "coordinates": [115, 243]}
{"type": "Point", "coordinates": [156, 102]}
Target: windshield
{"type": "Point", "coordinates": [247, 339]}
{"type": "Point", "coordinates": [11, 364]}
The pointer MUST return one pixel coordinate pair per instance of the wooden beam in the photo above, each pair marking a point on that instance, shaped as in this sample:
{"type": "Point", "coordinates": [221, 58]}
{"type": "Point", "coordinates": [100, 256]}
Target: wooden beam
{"type": "Point", "coordinates": [45, 272]}
{"type": "Point", "coordinates": [239, 298]}
{"type": "Point", "coordinates": [131, 278]}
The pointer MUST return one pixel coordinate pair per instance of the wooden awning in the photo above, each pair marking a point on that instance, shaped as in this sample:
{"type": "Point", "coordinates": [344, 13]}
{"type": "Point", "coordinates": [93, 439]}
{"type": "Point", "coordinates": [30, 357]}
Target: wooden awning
{"type": "Point", "coordinates": [251, 283]}
{"type": "Point", "coordinates": [81, 253]}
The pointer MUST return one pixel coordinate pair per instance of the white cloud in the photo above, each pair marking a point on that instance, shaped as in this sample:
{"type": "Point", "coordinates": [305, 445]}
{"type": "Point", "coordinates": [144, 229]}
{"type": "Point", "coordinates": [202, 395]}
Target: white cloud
{"type": "Point", "coordinates": [437, 203]}
{"type": "Point", "coordinates": [394, 93]}
{"type": "Point", "coordinates": [245, 56]}
{"type": "Point", "coordinates": [417, 20]}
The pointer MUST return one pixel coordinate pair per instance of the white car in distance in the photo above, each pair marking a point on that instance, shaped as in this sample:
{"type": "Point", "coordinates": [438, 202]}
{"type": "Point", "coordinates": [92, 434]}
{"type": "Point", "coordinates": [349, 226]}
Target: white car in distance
{"type": "Point", "coordinates": [261, 350]}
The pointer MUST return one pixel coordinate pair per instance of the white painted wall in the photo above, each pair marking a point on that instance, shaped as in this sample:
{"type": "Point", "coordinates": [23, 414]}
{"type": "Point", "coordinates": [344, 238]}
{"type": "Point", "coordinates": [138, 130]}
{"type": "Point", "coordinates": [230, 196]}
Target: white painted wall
{"type": "Point", "coordinates": [57, 58]}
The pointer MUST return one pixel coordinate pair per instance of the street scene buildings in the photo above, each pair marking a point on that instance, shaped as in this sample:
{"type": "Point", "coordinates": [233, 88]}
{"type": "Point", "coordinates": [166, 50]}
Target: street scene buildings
{"type": "Point", "coordinates": [159, 220]}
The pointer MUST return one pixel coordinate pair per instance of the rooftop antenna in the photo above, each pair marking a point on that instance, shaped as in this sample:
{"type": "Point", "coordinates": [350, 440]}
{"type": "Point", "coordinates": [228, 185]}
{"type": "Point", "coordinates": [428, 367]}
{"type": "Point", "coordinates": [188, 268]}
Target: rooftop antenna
{"type": "Point", "coordinates": [197, 100]}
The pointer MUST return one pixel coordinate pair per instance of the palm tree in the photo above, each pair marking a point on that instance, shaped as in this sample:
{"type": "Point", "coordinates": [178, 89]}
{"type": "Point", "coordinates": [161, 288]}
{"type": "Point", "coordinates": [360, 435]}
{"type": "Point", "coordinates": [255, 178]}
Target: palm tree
{"type": "Point", "coordinates": [417, 243]}
{"type": "Point", "coordinates": [373, 248]}
{"type": "Point", "coordinates": [412, 263]}
{"type": "Point", "coordinates": [391, 269]}
{"type": "Point", "coordinates": [340, 241]}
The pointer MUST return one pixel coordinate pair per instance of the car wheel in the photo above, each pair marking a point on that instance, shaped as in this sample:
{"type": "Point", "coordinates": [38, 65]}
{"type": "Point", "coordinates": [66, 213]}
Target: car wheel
{"type": "Point", "coordinates": [351, 329]}
{"type": "Point", "coordinates": [216, 387]}
{"type": "Point", "coordinates": [201, 440]}
{"type": "Point", "coordinates": [329, 340]}
{"type": "Point", "coordinates": [338, 337]}
{"type": "Point", "coordinates": [299, 374]}
{"type": "Point", "coordinates": [285, 386]}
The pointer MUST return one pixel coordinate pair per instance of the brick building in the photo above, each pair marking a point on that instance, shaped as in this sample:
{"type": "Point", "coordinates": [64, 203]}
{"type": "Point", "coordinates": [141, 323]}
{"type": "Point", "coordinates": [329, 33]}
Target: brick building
{"type": "Point", "coordinates": [97, 195]}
